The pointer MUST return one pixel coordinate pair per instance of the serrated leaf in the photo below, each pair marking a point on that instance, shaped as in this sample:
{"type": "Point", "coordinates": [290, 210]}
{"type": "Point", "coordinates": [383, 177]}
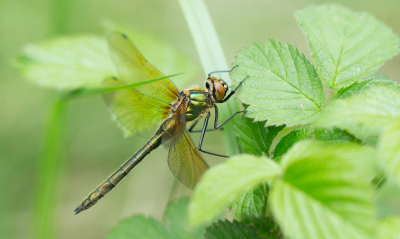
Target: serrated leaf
{"type": "Point", "coordinates": [221, 184]}
{"type": "Point", "coordinates": [389, 151]}
{"type": "Point", "coordinates": [324, 192]}
{"type": "Point", "coordinates": [253, 201]}
{"type": "Point", "coordinates": [365, 114]}
{"type": "Point", "coordinates": [266, 227]}
{"type": "Point", "coordinates": [176, 227]}
{"type": "Point", "coordinates": [254, 137]}
{"type": "Point", "coordinates": [331, 135]}
{"type": "Point", "coordinates": [346, 46]}
{"type": "Point", "coordinates": [67, 62]}
{"type": "Point", "coordinates": [282, 85]}
{"type": "Point", "coordinates": [360, 86]}
{"type": "Point", "coordinates": [230, 230]}
{"type": "Point", "coordinates": [388, 228]}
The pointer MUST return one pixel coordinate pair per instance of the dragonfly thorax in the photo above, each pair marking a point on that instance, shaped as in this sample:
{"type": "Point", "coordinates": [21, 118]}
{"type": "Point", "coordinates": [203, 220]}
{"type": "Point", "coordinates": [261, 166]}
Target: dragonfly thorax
{"type": "Point", "coordinates": [216, 88]}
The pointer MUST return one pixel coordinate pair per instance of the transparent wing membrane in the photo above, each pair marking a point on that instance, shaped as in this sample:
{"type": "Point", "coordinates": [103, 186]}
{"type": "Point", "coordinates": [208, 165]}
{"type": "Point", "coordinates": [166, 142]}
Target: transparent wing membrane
{"type": "Point", "coordinates": [184, 160]}
{"type": "Point", "coordinates": [132, 67]}
{"type": "Point", "coordinates": [135, 112]}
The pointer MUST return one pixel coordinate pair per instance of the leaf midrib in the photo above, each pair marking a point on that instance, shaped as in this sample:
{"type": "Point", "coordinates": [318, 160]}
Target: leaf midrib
{"type": "Point", "coordinates": [285, 72]}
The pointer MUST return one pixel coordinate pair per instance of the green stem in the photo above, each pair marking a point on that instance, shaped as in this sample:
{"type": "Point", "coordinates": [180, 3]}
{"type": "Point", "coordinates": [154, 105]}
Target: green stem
{"type": "Point", "coordinates": [48, 172]}
{"type": "Point", "coordinates": [50, 162]}
{"type": "Point", "coordinates": [60, 16]}
{"type": "Point", "coordinates": [212, 59]}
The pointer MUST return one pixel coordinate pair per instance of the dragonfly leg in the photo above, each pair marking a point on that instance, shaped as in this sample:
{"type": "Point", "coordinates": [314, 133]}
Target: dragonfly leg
{"type": "Point", "coordinates": [216, 126]}
{"type": "Point", "coordinates": [213, 72]}
{"type": "Point", "coordinates": [233, 91]}
{"type": "Point", "coordinates": [202, 137]}
{"type": "Point", "coordinates": [199, 131]}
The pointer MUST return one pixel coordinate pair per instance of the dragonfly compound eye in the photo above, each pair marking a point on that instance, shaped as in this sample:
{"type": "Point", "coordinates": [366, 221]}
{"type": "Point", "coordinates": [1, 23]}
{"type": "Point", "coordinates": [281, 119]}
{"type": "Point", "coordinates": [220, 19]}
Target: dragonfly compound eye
{"type": "Point", "coordinates": [220, 90]}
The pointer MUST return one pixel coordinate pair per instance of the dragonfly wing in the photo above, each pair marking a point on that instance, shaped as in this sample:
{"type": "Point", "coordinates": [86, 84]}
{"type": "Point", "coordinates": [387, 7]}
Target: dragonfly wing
{"type": "Point", "coordinates": [136, 113]}
{"type": "Point", "coordinates": [132, 67]}
{"type": "Point", "coordinates": [184, 160]}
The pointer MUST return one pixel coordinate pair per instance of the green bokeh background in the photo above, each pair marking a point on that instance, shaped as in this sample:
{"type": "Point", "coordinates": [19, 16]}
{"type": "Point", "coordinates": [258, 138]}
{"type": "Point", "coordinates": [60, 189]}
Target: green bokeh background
{"type": "Point", "coordinates": [94, 145]}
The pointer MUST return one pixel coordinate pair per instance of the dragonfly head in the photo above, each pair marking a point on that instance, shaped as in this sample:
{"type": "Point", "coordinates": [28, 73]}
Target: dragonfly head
{"type": "Point", "coordinates": [216, 87]}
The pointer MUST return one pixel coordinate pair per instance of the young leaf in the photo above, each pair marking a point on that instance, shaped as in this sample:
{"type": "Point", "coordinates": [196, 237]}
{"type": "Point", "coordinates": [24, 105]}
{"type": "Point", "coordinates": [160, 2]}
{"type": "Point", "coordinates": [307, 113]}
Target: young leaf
{"type": "Point", "coordinates": [230, 230]}
{"type": "Point", "coordinates": [324, 191]}
{"type": "Point", "coordinates": [389, 151]}
{"type": "Point", "coordinates": [223, 183]}
{"type": "Point", "coordinates": [67, 63]}
{"type": "Point", "coordinates": [254, 137]}
{"type": "Point", "coordinates": [177, 227]}
{"type": "Point", "coordinates": [346, 46]}
{"type": "Point", "coordinates": [360, 86]}
{"type": "Point", "coordinates": [364, 114]}
{"type": "Point", "coordinates": [253, 201]}
{"type": "Point", "coordinates": [282, 85]}
{"type": "Point", "coordinates": [388, 228]}
{"type": "Point", "coordinates": [332, 135]}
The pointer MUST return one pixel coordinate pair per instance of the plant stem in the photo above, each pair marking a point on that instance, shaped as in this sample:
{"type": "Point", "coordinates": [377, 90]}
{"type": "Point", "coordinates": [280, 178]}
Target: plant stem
{"type": "Point", "coordinates": [212, 58]}
{"type": "Point", "coordinates": [48, 172]}
{"type": "Point", "coordinates": [50, 162]}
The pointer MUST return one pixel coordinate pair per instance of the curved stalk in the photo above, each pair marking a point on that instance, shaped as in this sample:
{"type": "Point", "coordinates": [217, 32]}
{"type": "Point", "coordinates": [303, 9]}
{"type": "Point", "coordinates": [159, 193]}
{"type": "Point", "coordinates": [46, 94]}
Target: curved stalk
{"type": "Point", "coordinates": [212, 58]}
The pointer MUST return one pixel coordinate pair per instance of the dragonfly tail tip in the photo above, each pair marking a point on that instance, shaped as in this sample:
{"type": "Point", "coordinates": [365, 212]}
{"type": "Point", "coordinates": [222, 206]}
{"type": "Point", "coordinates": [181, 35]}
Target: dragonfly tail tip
{"type": "Point", "coordinates": [79, 209]}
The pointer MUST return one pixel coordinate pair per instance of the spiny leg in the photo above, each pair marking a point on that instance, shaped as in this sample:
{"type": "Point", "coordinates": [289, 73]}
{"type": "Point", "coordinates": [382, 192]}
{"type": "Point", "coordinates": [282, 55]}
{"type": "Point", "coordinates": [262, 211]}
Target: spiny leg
{"type": "Point", "coordinates": [233, 91]}
{"type": "Point", "coordinates": [202, 137]}
{"type": "Point", "coordinates": [213, 72]}
{"type": "Point", "coordinates": [216, 126]}
{"type": "Point", "coordinates": [199, 131]}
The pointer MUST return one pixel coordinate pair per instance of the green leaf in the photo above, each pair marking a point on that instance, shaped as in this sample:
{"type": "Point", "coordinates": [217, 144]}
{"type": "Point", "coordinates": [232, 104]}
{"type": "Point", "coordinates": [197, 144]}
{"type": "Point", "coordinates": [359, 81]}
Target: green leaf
{"type": "Point", "coordinates": [389, 228]}
{"type": "Point", "coordinates": [139, 226]}
{"type": "Point", "coordinates": [332, 135]}
{"type": "Point", "coordinates": [254, 137]}
{"type": "Point", "coordinates": [324, 192]}
{"type": "Point", "coordinates": [346, 46]}
{"type": "Point", "coordinates": [253, 201]}
{"type": "Point", "coordinates": [230, 230]}
{"type": "Point", "coordinates": [389, 151]}
{"type": "Point", "coordinates": [67, 62]}
{"type": "Point", "coordinates": [266, 227]}
{"type": "Point", "coordinates": [387, 199]}
{"type": "Point", "coordinates": [365, 114]}
{"type": "Point", "coordinates": [282, 85]}
{"type": "Point", "coordinates": [360, 86]}
{"type": "Point", "coordinates": [221, 184]}
{"type": "Point", "coordinates": [176, 227]}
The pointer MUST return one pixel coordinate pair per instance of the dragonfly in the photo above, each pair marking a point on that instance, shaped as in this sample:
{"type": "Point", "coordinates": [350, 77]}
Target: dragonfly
{"type": "Point", "coordinates": [160, 112]}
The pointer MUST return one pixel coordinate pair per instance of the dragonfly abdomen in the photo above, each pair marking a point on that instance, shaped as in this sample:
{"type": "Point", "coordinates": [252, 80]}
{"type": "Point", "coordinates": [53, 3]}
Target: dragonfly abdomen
{"type": "Point", "coordinates": [119, 174]}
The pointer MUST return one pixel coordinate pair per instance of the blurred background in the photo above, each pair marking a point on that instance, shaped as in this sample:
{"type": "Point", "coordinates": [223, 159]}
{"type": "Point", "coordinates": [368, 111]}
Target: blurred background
{"type": "Point", "coordinates": [94, 146]}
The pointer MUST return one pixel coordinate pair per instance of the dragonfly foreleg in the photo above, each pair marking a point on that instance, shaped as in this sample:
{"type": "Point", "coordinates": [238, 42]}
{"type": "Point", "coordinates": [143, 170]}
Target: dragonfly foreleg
{"type": "Point", "coordinates": [233, 91]}
{"type": "Point", "coordinates": [199, 131]}
{"type": "Point", "coordinates": [213, 72]}
{"type": "Point", "coordinates": [202, 137]}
